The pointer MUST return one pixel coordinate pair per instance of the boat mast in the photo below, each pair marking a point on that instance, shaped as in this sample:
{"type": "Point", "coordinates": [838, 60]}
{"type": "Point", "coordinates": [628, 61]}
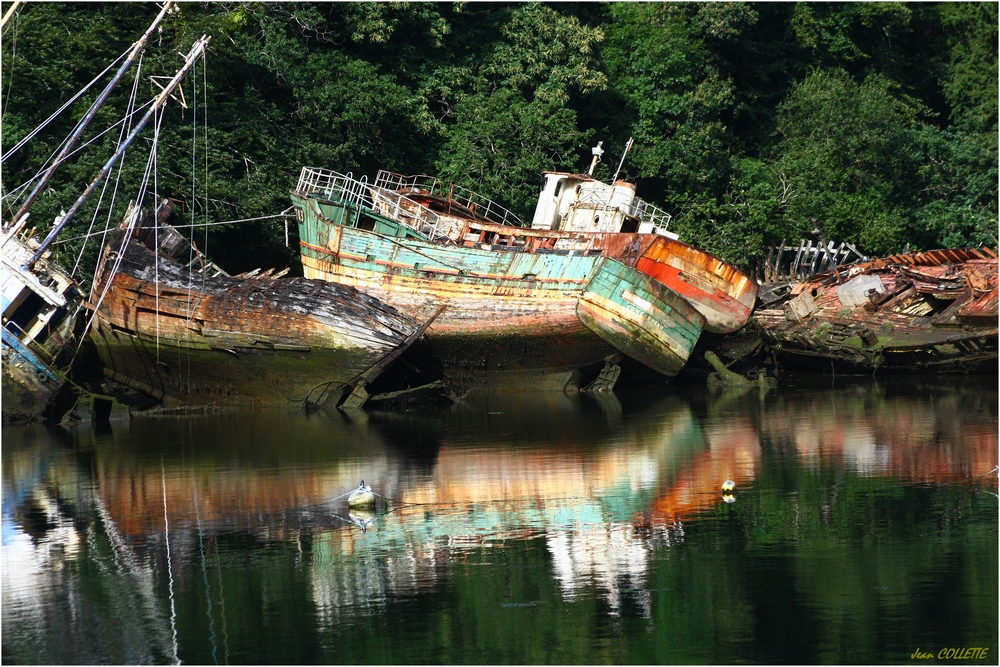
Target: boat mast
{"type": "Point", "coordinates": [197, 51]}
{"type": "Point", "coordinates": [627, 147]}
{"type": "Point", "coordinates": [10, 12]}
{"type": "Point", "coordinates": [19, 217]}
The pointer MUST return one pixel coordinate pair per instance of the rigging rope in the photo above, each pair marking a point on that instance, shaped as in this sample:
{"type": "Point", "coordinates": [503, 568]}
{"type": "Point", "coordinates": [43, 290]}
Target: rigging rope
{"type": "Point", "coordinates": [58, 111]}
{"type": "Point", "coordinates": [121, 165]}
{"type": "Point", "coordinates": [283, 214]}
{"type": "Point", "coordinates": [156, 222]}
{"type": "Point", "coordinates": [24, 186]}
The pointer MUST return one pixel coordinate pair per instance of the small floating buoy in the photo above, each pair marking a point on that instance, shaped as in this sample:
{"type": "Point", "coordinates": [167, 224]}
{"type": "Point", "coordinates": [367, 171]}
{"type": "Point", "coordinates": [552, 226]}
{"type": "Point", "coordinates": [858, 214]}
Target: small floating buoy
{"type": "Point", "coordinates": [361, 496]}
{"type": "Point", "coordinates": [728, 497]}
{"type": "Point", "coordinates": [729, 486]}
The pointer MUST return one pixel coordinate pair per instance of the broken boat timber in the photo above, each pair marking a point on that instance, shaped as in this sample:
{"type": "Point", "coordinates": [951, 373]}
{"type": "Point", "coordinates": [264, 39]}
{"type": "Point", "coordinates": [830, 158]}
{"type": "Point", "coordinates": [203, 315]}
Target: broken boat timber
{"type": "Point", "coordinates": [189, 339]}
{"type": "Point", "coordinates": [932, 311]}
{"type": "Point", "coordinates": [538, 307]}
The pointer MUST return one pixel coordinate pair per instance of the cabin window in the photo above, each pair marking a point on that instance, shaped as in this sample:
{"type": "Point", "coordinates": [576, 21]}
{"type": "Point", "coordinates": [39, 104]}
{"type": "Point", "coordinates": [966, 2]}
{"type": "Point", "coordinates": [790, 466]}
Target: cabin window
{"type": "Point", "coordinates": [559, 185]}
{"type": "Point", "coordinates": [27, 312]}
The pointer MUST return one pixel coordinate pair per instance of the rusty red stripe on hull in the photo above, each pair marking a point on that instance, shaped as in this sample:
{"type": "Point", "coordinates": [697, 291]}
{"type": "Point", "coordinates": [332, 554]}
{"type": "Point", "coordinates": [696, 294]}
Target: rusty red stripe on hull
{"type": "Point", "coordinates": [717, 289]}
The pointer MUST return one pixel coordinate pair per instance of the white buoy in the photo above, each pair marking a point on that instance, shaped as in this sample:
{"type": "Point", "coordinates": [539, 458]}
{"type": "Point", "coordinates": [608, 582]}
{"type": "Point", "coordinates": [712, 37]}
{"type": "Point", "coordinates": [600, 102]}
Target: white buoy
{"type": "Point", "coordinates": [729, 486]}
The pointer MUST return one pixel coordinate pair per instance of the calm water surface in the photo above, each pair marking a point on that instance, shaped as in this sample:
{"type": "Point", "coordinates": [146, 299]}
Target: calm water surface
{"type": "Point", "coordinates": [523, 529]}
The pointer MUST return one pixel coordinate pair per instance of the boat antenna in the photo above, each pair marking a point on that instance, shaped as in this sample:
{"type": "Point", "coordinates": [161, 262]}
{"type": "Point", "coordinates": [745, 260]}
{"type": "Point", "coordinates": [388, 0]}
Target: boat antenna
{"type": "Point", "coordinates": [598, 152]}
{"type": "Point", "coordinates": [197, 51]}
{"type": "Point", "coordinates": [137, 49]}
{"type": "Point", "coordinates": [627, 147]}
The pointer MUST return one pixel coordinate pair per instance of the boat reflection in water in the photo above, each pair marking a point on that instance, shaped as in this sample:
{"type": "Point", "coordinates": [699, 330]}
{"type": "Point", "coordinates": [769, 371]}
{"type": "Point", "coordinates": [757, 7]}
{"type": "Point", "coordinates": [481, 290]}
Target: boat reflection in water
{"type": "Point", "coordinates": [171, 529]}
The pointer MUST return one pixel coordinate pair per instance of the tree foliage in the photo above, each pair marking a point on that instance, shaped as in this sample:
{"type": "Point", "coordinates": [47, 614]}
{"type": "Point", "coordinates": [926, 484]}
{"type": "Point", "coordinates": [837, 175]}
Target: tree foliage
{"type": "Point", "coordinates": [749, 119]}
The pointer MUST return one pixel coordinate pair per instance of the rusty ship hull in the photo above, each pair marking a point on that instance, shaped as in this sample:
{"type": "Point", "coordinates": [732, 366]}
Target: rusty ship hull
{"type": "Point", "coordinates": [929, 312]}
{"type": "Point", "coordinates": [719, 291]}
{"type": "Point", "coordinates": [513, 293]}
{"type": "Point", "coordinates": [192, 340]}
{"type": "Point", "coordinates": [510, 320]}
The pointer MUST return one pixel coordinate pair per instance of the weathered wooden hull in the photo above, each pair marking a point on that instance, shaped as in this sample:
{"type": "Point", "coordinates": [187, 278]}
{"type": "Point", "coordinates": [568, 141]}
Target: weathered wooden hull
{"type": "Point", "coordinates": [936, 312]}
{"type": "Point", "coordinates": [29, 383]}
{"type": "Point", "coordinates": [641, 317]}
{"type": "Point", "coordinates": [189, 339]}
{"type": "Point", "coordinates": [511, 295]}
{"type": "Point", "coordinates": [38, 308]}
{"type": "Point", "coordinates": [720, 292]}
{"type": "Point", "coordinates": [509, 323]}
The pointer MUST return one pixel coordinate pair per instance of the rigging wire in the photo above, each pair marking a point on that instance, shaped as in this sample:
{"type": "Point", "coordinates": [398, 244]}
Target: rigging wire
{"type": "Point", "coordinates": [284, 214]}
{"type": "Point", "coordinates": [19, 189]}
{"type": "Point", "coordinates": [126, 130]}
{"type": "Point", "coordinates": [129, 231]}
{"type": "Point", "coordinates": [204, 78]}
{"type": "Point", "coordinates": [13, 55]}
{"type": "Point", "coordinates": [194, 151]}
{"type": "Point", "coordinates": [156, 222]}
{"type": "Point", "coordinates": [121, 165]}
{"type": "Point", "coordinates": [58, 111]}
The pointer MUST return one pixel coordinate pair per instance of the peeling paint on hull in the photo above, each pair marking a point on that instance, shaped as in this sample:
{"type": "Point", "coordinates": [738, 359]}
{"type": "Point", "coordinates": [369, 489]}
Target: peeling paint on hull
{"type": "Point", "coordinates": [931, 312]}
{"type": "Point", "coordinates": [717, 289]}
{"type": "Point", "coordinates": [640, 317]}
{"type": "Point", "coordinates": [513, 295]}
{"type": "Point", "coordinates": [498, 334]}
{"type": "Point", "coordinates": [189, 339]}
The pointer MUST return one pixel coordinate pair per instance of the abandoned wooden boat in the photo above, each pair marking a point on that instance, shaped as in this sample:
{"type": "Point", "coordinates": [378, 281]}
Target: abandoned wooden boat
{"type": "Point", "coordinates": [191, 339]}
{"type": "Point", "coordinates": [39, 309]}
{"type": "Point", "coordinates": [40, 299]}
{"type": "Point", "coordinates": [932, 311]}
{"type": "Point", "coordinates": [522, 301]}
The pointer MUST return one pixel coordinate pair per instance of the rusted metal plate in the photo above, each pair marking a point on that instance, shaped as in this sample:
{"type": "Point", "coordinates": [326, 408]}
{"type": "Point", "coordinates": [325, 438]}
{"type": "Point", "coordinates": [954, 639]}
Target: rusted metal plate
{"type": "Point", "coordinates": [937, 312]}
{"type": "Point", "coordinates": [981, 281]}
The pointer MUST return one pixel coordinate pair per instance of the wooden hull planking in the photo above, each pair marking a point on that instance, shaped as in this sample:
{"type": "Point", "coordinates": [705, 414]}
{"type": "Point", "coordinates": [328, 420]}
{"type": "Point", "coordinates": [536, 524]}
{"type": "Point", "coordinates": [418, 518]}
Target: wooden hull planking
{"type": "Point", "coordinates": [510, 320]}
{"type": "Point", "coordinates": [195, 340]}
{"type": "Point", "coordinates": [718, 290]}
{"type": "Point", "coordinates": [505, 288]}
{"type": "Point", "coordinates": [640, 317]}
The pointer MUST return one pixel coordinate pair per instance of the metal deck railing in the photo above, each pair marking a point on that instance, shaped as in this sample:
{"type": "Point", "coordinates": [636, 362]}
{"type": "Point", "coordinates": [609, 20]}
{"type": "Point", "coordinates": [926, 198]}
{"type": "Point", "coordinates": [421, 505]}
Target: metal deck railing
{"type": "Point", "coordinates": [361, 194]}
{"type": "Point", "coordinates": [475, 202]}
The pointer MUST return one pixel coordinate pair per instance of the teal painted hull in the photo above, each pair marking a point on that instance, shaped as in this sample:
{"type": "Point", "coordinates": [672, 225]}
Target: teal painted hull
{"type": "Point", "coordinates": [640, 317]}
{"type": "Point", "coordinates": [512, 318]}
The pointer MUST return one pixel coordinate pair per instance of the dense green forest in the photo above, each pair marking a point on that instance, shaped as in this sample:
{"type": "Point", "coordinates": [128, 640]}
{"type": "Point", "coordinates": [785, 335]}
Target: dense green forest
{"type": "Point", "coordinates": [877, 119]}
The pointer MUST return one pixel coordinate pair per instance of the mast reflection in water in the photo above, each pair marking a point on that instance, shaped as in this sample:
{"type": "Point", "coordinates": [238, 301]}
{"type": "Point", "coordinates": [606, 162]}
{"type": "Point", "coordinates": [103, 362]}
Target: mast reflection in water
{"type": "Point", "coordinates": [521, 529]}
